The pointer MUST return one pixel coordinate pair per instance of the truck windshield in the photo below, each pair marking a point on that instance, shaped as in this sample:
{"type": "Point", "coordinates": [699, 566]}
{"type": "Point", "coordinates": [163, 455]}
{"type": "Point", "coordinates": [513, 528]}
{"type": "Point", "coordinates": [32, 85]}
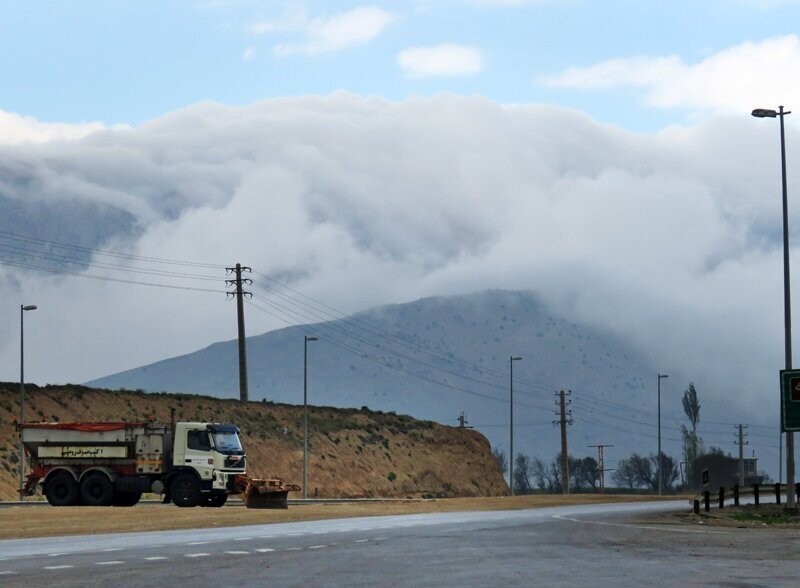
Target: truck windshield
{"type": "Point", "coordinates": [227, 443]}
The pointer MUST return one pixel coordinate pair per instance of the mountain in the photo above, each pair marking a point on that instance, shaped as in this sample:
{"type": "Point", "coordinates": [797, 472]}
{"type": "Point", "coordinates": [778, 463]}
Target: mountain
{"type": "Point", "coordinates": [436, 357]}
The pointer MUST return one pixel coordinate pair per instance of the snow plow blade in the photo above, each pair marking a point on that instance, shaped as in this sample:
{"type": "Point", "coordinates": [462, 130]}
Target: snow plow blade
{"type": "Point", "coordinates": [257, 493]}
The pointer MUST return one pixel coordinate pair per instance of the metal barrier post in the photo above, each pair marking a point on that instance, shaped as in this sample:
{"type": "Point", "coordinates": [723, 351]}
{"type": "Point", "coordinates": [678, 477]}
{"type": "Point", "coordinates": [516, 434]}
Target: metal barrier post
{"type": "Point", "coordinates": [777, 493]}
{"type": "Point", "coordinates": [722, 496]}
{"type": "Point", "coordinates": [696, 506]}
{"type": "Point", "coordinates": [707, 500]}
{"type": "Point", "coordinates": [736, 495]}
{"type": "Point", "coordinates": [755, 493]}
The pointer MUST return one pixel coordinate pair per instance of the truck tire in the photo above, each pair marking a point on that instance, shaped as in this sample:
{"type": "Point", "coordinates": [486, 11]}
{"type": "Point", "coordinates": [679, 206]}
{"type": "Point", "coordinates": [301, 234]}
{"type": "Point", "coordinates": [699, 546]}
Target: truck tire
{"type": "Point", "coordinates": [215, 500]}
{"type": "Point", "coordinates": [122, 498]}
{"type": "Point", "coordinates": [185, 490]}
{"type": "Point", "coordinates": [62, 490]}
{"type": "Point", "coordinates": [96, 489]}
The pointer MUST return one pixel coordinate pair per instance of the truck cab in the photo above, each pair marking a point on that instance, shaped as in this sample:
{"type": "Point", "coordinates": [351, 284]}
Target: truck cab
{"type": "Point", "coordinates": [205, 460]}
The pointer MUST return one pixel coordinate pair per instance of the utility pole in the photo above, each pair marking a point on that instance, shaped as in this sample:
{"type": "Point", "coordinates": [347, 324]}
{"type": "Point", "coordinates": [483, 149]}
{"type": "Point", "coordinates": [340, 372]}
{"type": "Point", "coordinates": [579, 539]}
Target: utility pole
{"type": "Point", "coordinates": [462, 421]}
{"type": "Point", "coordinates": [741, 443]}
{"type": "Point", "coordinates": [601, 466]}
{"type": "Point", "coordinates": [565, 418]}
{"type": "Point", "coordinates": [240, 294]}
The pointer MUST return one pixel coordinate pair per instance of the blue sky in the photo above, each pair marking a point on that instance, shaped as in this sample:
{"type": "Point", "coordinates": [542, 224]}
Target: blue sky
{"type": "Point", "coordinates": [130, 61]}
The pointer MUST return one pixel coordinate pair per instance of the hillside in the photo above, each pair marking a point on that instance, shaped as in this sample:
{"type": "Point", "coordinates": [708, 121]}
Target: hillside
{"type": "Point", "coordinates": [352, 453]}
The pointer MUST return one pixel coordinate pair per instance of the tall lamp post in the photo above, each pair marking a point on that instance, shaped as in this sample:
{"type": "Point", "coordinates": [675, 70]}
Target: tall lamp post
{"type": "Point", "coordinates": [511, 361]}
{"type": "Point", "coordinates": [305, 412]}
{"type": "Point", "coordinates": [787, 304]}
{"type": "Point", "coordinates": [660, 478]}
{"type": "Point", "coordinates": [22, 309]}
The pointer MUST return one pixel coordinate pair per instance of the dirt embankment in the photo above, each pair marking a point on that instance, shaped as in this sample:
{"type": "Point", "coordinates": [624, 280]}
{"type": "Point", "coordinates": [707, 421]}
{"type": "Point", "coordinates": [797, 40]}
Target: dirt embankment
{"type": "Point", "coordinates": [352, 453]}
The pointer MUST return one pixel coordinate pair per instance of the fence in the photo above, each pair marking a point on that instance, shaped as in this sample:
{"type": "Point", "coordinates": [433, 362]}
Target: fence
{"type": "Point", "coordinates": [756, 491]}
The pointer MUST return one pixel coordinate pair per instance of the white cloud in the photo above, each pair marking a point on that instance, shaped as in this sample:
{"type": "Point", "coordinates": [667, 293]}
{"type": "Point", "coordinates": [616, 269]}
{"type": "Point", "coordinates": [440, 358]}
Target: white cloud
{"type": "Point", "coordinates": [293, 19]}
{"type": "Point", "coordinates": [671, 239]}
{"type": "Point", "coordinates": [341, 31]}
{"type": "Point", "coordinates": [16, 129]}
{"type": "Point", "coordinates": [249, 54]}
{"type": "Point", "coordinates": [732, 81]}
{"type": "Point", "coordinates": [441, 60]}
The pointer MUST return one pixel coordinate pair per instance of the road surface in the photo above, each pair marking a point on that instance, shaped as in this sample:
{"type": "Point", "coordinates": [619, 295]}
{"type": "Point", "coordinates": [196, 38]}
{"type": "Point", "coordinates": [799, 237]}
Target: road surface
{"type": "Point", "coordinates": [599, 545]}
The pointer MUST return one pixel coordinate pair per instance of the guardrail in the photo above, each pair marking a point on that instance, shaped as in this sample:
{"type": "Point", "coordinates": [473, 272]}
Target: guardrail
{"type": "Point", "coordinates": [756, 491]}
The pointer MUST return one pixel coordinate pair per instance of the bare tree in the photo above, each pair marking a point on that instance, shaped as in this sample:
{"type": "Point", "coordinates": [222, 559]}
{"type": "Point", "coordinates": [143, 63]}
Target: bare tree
{"type": "Point", "coordinates": [541, 475]}
{"type": "Point", "coordinates": [670, 471]}
{"type": "Point", "coordinates": [624, 475]}
{"type": "Point", "coordinates": [522, 466]}
{"type": "Point", "coordinates": [502, 460]}
{"type": "Point", "coordinates": [584, 472]}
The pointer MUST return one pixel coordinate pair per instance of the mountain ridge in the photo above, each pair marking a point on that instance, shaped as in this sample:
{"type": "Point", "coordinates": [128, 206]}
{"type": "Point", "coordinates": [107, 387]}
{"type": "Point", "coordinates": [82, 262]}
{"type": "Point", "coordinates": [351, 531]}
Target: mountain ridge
{"type": "Point", "coordinates": [434, 358]}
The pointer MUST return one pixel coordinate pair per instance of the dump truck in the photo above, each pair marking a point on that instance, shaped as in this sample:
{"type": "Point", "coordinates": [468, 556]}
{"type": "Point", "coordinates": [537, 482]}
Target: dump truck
{"type": "Point", "coordinates": [114, 463]}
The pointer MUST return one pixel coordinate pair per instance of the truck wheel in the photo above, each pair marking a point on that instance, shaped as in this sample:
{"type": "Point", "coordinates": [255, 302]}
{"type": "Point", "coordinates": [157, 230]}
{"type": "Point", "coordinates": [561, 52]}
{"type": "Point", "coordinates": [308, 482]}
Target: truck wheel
{"type": "Point", "coordinates": [62, 490]}
{"type": "Point", "coordinates": [215, 500]}
{"type": "Point", "coordinates": [97, 489]}
{"type": "Point", "coordinates": [185, 490]}
{"type": "Point", "coordinates": [122, 498]}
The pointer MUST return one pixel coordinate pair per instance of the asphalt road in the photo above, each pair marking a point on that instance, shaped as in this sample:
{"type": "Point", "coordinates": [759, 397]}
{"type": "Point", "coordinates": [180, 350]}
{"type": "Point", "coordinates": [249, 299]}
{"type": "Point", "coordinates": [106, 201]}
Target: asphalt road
{"type": "Point", "coordinates": [601, 545]}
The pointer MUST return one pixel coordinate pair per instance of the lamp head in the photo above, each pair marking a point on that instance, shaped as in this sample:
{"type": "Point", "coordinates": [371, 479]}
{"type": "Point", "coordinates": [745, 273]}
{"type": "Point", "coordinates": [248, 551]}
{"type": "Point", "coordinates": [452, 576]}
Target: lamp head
{"type": "Point", "coordinates": [764, 113]}
{"type": "Point", "coordinates": [311, 338]}
{"type": "Point", "coordinates": [515, 358]}
{"type": "Point", "coordinates": [30, 307]}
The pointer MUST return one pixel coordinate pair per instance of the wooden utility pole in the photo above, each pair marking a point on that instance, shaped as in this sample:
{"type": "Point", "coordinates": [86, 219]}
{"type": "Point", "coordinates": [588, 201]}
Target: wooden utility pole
{"type": "Point", "coordinates": [240, 294]}
{"type": "Point", "coordinates": [601, 470]}
{"type": "Point", "coordinates": [741, 443]}
{"type": "Point", "coordinates": [564, 420]}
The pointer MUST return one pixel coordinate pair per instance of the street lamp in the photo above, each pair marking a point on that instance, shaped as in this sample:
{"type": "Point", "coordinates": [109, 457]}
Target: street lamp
{"type": "Point", "coordinates": [660, 479]}
{"type": "Point", "coordinates": [22, 309]}
{"type": "Point", "coordinates": [787, 304]}
{"type": "Point", "coordinates": [511, 361]}
{"type": "Point", "coordinates": [305, 412]}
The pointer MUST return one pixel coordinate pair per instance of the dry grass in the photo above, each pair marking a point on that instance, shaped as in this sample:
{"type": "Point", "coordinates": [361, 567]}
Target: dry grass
{"type": "Point", "coordinates": [45, 521]}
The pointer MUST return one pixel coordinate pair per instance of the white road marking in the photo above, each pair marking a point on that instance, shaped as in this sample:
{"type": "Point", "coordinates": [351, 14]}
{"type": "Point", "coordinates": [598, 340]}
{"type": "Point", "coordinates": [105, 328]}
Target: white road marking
{"type": "Point", "coordinates": [266, 536]}
{"type": "Point", "coordinates": [318, 532]}
{"type": "Point", "coordinates": [57, 567]}
{"type": "Point", "coordinates": [361, 541]}
{"type": "Point", "coordinates": [112, 549]}
{"type": "Point", "coordinates": [317, 546]}
{"type": "Point", "coordinates": [54, 554]}
{"type": "Point", "coordinates": [155, 558]}
{"type": "Point", "coordinates": [265, 550]}
{"type": "Point", "coordinates": [243, 539]}
{"type": "Point", "coordinates": [237, 552]}
{"type": "Point", "coordinates": [199, 543]}
{"type": "Point", "coordinates": [7, 572]}
{"type": "Point", "coordinates": [645, 527]}
{"type": "Point", "coordinates": [197, 554]}
{"type": "Point", "coordinates": [108, 563]}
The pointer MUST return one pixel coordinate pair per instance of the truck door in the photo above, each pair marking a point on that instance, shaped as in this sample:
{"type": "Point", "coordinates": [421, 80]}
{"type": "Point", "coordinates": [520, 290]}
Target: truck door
{"type": "Point", "coordinates": [198, 452]}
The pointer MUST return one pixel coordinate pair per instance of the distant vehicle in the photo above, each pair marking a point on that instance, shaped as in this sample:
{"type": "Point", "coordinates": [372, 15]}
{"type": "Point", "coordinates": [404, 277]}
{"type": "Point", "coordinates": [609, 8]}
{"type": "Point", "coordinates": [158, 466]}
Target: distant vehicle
{"type": "Point", "coordinates": [114, 463]}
